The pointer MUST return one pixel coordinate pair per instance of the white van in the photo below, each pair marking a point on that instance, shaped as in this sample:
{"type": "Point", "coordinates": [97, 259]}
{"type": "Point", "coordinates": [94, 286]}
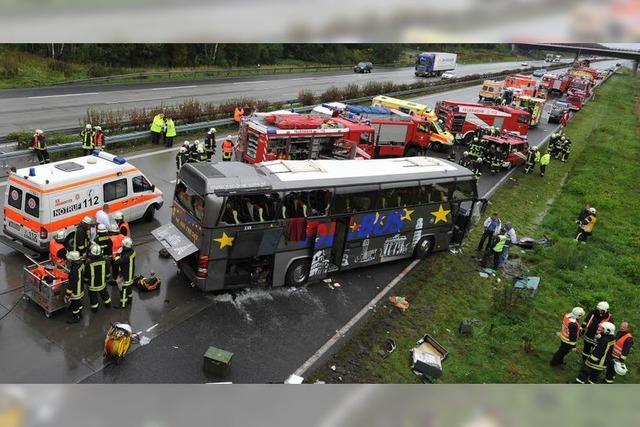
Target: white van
{"type": "Point", "coordinates": [42, 200]}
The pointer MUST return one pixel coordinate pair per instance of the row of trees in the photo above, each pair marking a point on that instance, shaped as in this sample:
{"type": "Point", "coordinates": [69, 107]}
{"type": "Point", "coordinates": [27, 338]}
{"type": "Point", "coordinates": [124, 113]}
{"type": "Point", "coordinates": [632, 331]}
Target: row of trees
{"type": "Point", "coordinates": [219, 54]}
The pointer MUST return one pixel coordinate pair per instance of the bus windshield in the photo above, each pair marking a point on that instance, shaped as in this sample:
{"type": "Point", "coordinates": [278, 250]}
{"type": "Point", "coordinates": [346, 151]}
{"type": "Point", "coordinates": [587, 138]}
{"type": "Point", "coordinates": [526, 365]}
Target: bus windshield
{"type": "Point", "coordinates": [190, 201]}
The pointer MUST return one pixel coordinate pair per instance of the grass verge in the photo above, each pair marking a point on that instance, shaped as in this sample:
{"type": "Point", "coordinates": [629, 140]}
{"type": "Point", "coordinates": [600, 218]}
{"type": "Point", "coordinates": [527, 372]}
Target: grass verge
{"type": "Point", "coordinates": [515, 341]}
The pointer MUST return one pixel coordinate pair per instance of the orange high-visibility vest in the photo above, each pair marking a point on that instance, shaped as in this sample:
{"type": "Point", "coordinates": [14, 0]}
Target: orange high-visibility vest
{"type": "Point", "coordinates": [124, 229]}
{"type": "Point", "coordinates": [237, 113]}
{"type": "Point", "coordinates": [54, 248]}
{"type": "Point", "coordinates": [98, 140]}
{"type": "Point", "coordinates": [617, 348]}
{"type": "Point", "coordinates": [227, 146]}
{"type": "Point", "coordinates": [116, 241]}
{"type": "Point", "coordinates": [564, 331]}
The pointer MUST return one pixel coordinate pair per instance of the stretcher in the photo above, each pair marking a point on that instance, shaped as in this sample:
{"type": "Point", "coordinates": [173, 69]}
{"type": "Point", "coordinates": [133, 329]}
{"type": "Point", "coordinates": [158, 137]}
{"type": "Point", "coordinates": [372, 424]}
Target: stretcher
{"type": "Point", "coordinates": [46, 285]}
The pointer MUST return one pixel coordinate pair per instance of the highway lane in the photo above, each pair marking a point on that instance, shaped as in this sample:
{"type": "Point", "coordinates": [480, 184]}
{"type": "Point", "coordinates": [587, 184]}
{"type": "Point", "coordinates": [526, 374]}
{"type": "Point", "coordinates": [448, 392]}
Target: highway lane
{"type": "Point", "coordinates": [63, 107]}
{"type": "Point", "coordinates": [270, 332]}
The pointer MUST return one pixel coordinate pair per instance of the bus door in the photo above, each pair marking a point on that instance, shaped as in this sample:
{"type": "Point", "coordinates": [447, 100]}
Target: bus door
{"type": "Point", "coordinates": [339, 240]}
{"type": "Point", "coordinates": [322, 250]}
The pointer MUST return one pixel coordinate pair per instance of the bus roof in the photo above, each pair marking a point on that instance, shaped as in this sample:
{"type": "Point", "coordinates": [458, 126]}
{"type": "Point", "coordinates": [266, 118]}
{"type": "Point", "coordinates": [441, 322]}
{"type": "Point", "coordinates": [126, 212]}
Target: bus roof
{"type": "Point", "coordinates": [72, 171]}
{"type": "Point", "coordinates": [236, 177]}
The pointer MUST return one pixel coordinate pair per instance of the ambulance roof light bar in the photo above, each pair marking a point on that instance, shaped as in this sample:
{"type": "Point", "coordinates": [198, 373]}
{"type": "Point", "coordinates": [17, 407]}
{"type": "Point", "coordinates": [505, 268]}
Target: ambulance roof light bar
{"type": "Point", "coordinates": [110, 157]}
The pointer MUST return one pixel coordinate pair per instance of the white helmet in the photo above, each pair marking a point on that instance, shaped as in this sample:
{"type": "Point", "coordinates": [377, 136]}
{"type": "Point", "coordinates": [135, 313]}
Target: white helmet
{"type": "Point", "coordinates": [577, 312]}
{"type": "Point", "coordinates": [98, 128]}
{"type": "Point", "coordinates": [183, 149]}
{"type": "Point", "coordinates": [73, 256]}
{"type": "Point", "coordinates": [95, 250]}
{"type": "Point", "coordinates": [87, 220]}
{"type": "Point", "coordinates": [102, 228]}
{"type": "Point", "coordinates": [592, 210]}
{"type": "Point", "coordinates": [60, 235]}
{"type": "Point", "coordinates": [476, 139]}
{"type": "Point", "coordinates": [88, 126]}
{"type": "Point", "coordinates": [113, 227]}
{"type": "Point", "coordinates": [200, 149]}
{"type": "Point", "coordinates": [127, 242]}
{"type": "Point", "coordinates": [554, 135]}
{"type": "Point", "coordinates": [603, 305]}
{"type": "Point", "coordinates": [212, 130]}
{"type": "Point", "coordinates": [118, 216]}
{"type": "Point", "coordinates": [196, 142]}
{"type": "Point", "coordinates": [608, 328]}
{"type": "Point", "coordinates": [466, 153]}
{"type": "Point", "coordinates": [563, 139]}
{"type": "Point", "coordinates": [229, 137]}
{"type": "Point", "coordinates": [619, 367]}
{"type": "Point", "coordinates": [185, 144]}
{"type": "Point", "coordinates": [39, 131]}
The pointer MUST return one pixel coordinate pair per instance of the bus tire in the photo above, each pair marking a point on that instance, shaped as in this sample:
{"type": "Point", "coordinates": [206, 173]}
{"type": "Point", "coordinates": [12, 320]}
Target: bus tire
{"type": "Point", "coordinates": [150, 213]}
{"type": "Point", "coordinates": [298, 273]}
{"type": "Point", "coordinates": [423, 248]}
{"type": "Point", "coordinates": [410, 151]}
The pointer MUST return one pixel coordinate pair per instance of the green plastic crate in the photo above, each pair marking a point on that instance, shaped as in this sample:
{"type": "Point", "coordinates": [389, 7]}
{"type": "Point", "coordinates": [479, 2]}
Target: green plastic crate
{"type": "Point", "coordinates": [217, 362]}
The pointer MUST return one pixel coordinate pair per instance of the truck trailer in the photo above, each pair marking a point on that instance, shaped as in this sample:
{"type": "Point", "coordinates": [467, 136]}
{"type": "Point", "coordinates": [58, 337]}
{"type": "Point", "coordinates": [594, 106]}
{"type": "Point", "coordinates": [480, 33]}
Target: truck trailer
{"type": "Point", "coordinates": [434, 63]}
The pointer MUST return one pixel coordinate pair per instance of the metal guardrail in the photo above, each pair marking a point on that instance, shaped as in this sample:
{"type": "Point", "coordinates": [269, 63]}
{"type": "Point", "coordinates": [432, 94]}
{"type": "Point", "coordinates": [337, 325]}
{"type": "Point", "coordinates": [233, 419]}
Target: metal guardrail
{"type": "Point", "coordinates": [4, 157]}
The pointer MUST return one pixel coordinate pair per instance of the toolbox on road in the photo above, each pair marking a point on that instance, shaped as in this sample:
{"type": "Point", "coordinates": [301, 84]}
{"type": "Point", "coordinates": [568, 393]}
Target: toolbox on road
{"type": "Point", "coordinates": [217, 362]}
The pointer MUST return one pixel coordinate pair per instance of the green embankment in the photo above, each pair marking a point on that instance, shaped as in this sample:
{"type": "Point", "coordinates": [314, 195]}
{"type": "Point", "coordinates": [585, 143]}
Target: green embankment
{"type": "Point", "coordinates": [515, 341]}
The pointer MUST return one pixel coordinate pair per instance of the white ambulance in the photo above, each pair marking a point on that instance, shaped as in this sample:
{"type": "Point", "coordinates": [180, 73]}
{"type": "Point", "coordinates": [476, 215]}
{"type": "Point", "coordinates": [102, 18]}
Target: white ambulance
{"type": "Point", "coordinates": [42, 200]}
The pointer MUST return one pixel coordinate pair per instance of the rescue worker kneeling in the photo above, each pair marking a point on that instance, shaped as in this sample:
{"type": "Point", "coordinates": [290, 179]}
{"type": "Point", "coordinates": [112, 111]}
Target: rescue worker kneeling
{"type": "Point", "coordinates": [75, 290]}
{"type": "Point", "coordinates": [126, 264]}
{"type": "Point", "coordinates": [57, 249]}
{"type": "Point", "coordinates": [96, 276]}
{"type": "Point", "coordinates": [600, 356]}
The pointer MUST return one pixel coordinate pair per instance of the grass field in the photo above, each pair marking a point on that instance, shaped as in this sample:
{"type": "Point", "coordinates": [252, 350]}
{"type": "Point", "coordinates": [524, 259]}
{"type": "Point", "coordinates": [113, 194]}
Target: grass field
{"type": "Point", "coordinates": [603, 170]}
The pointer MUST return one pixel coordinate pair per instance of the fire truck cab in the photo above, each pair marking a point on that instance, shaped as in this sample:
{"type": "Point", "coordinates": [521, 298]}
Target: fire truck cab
{"type": "Point", "coordinates": [521, 84]}
{"type": "Point", "coordinates": [556, 84]}
{"type": "Point", "coordinates": [516, 148]}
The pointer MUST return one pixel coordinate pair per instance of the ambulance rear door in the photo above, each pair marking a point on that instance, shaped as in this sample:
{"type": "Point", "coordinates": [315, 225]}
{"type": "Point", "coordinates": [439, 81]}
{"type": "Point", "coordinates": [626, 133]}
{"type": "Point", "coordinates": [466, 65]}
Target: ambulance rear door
{"type": "Point", "coordinates": [23, 214]}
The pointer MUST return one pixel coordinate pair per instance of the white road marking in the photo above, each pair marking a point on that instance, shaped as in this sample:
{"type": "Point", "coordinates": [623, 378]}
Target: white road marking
{"type": "Point", "coordinates": [152, 328]}
{"type": "Point", "coordinates": [303, 78]}
{"type": "Point", "coordinates": [60, 96]}
{"type": "Point", "coordinates": [345, 329]}
{"type": "Point", "coordinates": [138, 100]}
{"type": "Point", "coordinates": [174, 87]}
{"type": "Point", "coordinates": [249, 82]}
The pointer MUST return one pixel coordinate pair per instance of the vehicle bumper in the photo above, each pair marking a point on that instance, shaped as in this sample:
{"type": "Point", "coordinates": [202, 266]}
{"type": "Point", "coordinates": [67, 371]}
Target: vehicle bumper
{"type": "Point", "coordinates": [40, 247]}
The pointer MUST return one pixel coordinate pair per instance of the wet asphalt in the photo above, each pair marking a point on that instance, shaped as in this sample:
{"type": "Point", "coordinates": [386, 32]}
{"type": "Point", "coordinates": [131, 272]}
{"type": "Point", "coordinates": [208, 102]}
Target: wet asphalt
{"type": "Point", "coordinates": [271, 333]}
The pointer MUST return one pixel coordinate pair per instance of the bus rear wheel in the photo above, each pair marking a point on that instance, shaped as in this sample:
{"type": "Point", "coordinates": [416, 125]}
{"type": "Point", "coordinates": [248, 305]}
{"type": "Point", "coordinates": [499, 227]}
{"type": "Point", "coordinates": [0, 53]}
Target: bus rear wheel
{"type": "Point", "coordinates": [298, 273]}
{"type": "Point", "coordinates": [423, 248]}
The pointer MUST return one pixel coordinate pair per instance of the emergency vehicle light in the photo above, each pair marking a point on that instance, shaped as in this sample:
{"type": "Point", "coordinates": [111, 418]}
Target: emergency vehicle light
{"type": "Point", "coordinates": [32, 171]}
{"type": "Point", "coordinates": [271, 131]}
{"type": "Point", "coordinates": [119, 160]}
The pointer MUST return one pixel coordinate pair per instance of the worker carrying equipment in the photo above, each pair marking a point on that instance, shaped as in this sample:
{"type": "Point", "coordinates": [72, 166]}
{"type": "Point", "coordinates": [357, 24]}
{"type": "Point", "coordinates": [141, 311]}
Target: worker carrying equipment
{"type": "Point", "coordinates": [39, 145]}
{"type": "Point", "coordinates": [87, 139]}
{"type": "Point", "coordinates": [97, 273]}
{"type": "Point", "coordinates": [75, 290]}
{"type": "Point", "coordinates": [569, 333]}
{"type": "Point", "coordinates": [621, 349]}
{"type": "Point", "coordinates": [227, 149]}
{"type": "Point", "coordinates": [585, 226]}
{"type": "Point", "coordinates": [599, 357]}
{"type": "Point", "coordinates": [57, 249]}
{"type": "Point", "coordinates": [126, 271]}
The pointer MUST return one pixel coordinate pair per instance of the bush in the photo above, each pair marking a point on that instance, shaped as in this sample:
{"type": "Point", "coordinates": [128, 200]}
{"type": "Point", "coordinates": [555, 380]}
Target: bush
{"type": "Point", "coordinates": [306, 97]}
{"type": "Point", "coordinates": [10, 68]}
{"type": "Point", "coordinates": [60, 67]}
{"type": "Point", "coordinates": [97, 70]}
{"type": "Point", "coordinates": [352, 91]}
{"type": "Point", "coordinates": [331, 94]}
{"type": "Point", "coordinates": [372, 88]}
{"type": "Point", "coordinates": [23, 138]}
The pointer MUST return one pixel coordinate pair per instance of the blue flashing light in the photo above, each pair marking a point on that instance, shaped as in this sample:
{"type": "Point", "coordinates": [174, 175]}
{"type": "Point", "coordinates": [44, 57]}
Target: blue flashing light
{"type": "Point", "coordinates": [271, 131]}
{"type": "Point", "coordinates": [96, 153]}
{"type": "Point", "coordinates": [32, 171]}
{"type": "Point", "coordinates": [119, 160]}
{"type": "Point", "coordinates": [367, 122]}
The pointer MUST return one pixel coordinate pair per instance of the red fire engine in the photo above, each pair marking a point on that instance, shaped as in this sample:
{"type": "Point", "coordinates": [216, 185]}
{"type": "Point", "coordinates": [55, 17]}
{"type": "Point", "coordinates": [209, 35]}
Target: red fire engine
{"type": "Point", "coordinates": [557, 84]}
{"type": "Point", "coordinates": [270, 136]}
{"type": "Point", "coordinates": [516, 148]}
{"type": "Point", "coordinates": [463, 118]}
{"type": "Point", "coordinates": [520, 84]}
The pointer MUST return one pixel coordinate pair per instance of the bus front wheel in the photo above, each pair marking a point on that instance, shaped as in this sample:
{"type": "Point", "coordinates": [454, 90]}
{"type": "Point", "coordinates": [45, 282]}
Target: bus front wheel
{"type": "Point", "coordinates": [298, 273]}
{"type": "Point", "coordinates": [423, 248]}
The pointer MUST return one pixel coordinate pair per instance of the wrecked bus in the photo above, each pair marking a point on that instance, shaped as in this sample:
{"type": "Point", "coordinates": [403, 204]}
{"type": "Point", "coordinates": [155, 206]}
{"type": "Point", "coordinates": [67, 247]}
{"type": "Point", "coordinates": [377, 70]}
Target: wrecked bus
{"type": "Point", "coordinates": [286, 222]}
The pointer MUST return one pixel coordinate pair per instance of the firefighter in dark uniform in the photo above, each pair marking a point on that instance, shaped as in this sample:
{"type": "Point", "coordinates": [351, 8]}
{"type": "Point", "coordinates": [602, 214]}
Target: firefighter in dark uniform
{"type": "Point", "coordinates": [75, 290]}
{"type": "Point", "coordinates": [559, 147]}
{"type": "Point", "coordinates": [104, 241]}
{"type": "Point", "coordinates": [566, 150]}
{"type": "Point", "coordinates": [476, 167]}
{"type": "Point", "coordinates": [96, 277]}
{"type": "Point", "coordinates": [182, 157]}
{"type": "Point", "coordinates": [621, 349]}
{"type": "Point", "coordinates": [193, 151]}
{"type": "Point", "coordinates": [126, 261]}
{"type": "Point", "coordinates": [554, 142]}
{"type": "Point", "coordinates": [87, 139]}
{"type": "Point", "coordinates": [201, 155]}
{"type": "Point", "coordinates": [569, 334]}
{"type": "Point", "coordinates": [465, 161]}
{"type": "Point", "coordinates": [600, 356]}
{"type": "Point", "coordinates": [590, 326]}
{"type": "Point", "coordinates": [210, 143]}
{"type": "Point", "coordinates": [496, 161]}
{"type": "Point", "coordinates": [452, 156]}
{"type": "Point", "coordinates": [532, 157]}
{"type": "Point", "coordinates": [83, 236]}
{"type": "Point", "coordinates": [39, 145]}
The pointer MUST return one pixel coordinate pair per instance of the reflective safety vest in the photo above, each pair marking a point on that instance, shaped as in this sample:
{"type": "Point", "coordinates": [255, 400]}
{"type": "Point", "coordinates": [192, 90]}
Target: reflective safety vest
{"type": "Point", "coordinates": [39, 142]}
{"type": "Point", "coordinates": [619, 345]}
{"type": "Point", "coordinates": [127, 266]}
{"type": "Point", "coordinates": [116, 243]}
{"type": "Point", "coordinates": [531, 156]}
{"type": "Point", "coordinates": [124, 229]}
{"type": "Point", "coordinates": [54, 251]}
{"type": "Point", "coordinates": [157, 124]}
{"type": "Point", "coordinates": [545, 159]}
{"type": "Point", "coordinates": [98, 140]}
{"type": "Point", "coordinates": [227, 146]}
{"type": "Point", "coordinates": [502, 241]}
{"type": "Point", "coordinates": [588, 223]}
{"type": "Point", "coordinates": [237, 113]}
{"type": "Point", "coordinates": [104, 241]}
{"type": "Point", "coordinates": [565, 334]}
{"type": "Point", "coordinates": [171, 128]}
{"type": "Point", "coordinates": [604, 346]}
{"type": "Point", "coordinates": [537, 156]}
{"type": "Point", "coordinates": [96, 275]}
{"type": "Point", "coordinates": [87, 139]}
{"type": "Point", "coordinates": [75, 290]}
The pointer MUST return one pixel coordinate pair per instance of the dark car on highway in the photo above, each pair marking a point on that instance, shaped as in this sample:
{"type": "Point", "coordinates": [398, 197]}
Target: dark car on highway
{"type": "Point", "coordinates": [363, 67]}
{"type": "Point", "coordinates": [557, 111]}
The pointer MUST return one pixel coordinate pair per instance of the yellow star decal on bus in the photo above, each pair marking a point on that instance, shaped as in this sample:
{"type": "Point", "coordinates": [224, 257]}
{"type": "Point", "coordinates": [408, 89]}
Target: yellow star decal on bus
{"type": "Point", "coordinates": [224, 240]}
{"type": "Point", "coordinates": [407, 214]}
{"type": "Point", "coordinates": [440, 214]}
